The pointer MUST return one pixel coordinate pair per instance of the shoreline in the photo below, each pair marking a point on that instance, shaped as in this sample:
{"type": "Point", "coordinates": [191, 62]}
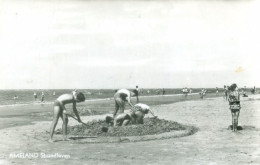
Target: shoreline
{"type": "Point", "coordinates": [88, 100]}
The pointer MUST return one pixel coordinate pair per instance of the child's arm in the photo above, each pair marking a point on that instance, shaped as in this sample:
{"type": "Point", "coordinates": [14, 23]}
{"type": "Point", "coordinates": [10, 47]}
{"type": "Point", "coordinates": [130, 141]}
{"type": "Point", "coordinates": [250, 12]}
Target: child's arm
{"type": "Point", "coordinates": [129, 101]}
{"type": "Point", "coordinates": [76, 112]}
{"type": "Point", "coordinates": [152, 113]}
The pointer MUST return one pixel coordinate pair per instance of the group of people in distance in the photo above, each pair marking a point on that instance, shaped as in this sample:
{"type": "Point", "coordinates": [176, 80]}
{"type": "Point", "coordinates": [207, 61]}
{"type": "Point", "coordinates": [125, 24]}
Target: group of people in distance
{"type": "Point", "coordinates": [121, 118]}
{"type": "Point", "coordinates": [35, 96]}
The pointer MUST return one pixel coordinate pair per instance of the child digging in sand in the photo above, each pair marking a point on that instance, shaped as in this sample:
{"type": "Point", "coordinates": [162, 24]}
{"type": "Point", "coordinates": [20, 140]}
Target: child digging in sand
{"type": "Point", "coordinates": [135, 116]}
{"type": "Point", "coordinates": [234, 102]}
{"type": "Point", "coordinates": [121, 96]}
{"type": "Point", "coordinates": [60, 111]}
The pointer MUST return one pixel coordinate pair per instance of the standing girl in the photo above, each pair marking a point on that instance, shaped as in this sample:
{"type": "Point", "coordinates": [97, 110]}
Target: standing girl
{"type": "Point", "coordinates": [234, 102]}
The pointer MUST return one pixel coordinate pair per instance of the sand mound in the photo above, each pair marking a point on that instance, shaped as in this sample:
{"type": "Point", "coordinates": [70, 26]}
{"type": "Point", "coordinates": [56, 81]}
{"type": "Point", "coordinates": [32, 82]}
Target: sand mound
{"type": "Point", "coordinates": [100, 128]}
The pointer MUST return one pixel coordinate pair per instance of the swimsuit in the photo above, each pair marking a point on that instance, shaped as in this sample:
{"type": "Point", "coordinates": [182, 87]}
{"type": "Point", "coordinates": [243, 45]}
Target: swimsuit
{"type": "Point", "coordinates": [57, 103]}
{"type": "Point", "coordinates": [234, 102]}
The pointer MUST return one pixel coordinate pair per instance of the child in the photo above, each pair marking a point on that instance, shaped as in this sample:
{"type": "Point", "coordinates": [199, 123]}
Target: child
{"type": "Point", "coordinates": [121, 96]}
{"type": "Point", "coordinates": [135, 116]}
{"type": "Point", "coordinates": [122, 119]}
{"type": "Point", "coordinates": [234, 102]}
{"type": "Point", "coordinates": [60, 111]}
{"type": "Point", "coordinates": [140, 111]}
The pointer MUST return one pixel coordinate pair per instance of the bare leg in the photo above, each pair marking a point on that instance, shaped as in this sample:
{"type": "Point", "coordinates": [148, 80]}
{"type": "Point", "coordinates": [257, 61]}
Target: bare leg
{"type": "Point", "coordinates": [64, 126]}
{"type": "Point", "coordinates": [56, 115]}
{"type": "Point", "coordinates": [125, 122]}
{"type": "Point", "coordinates": [236, 119]}
{"type": "Point", "coordinates": [233, 121]}
{"type": "Point", "coordinates": [116, 108]}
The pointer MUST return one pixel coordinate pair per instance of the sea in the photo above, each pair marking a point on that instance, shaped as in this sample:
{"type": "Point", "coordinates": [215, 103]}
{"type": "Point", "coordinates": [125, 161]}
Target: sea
{"type": "Point", "coordinates": [26, 96]}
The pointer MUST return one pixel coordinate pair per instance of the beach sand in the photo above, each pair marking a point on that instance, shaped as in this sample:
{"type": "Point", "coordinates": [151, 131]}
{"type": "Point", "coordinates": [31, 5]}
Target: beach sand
{"type": "Point", "coordinates": [212, 144]}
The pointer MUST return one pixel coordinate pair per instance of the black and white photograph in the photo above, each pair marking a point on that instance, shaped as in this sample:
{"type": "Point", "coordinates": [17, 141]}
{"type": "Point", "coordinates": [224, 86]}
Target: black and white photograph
{"type": "Point", "coordinates": [123, 82]}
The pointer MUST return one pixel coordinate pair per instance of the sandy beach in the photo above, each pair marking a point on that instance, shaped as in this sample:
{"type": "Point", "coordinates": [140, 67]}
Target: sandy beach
{"type": "Point", "coordinates": [212, 144]}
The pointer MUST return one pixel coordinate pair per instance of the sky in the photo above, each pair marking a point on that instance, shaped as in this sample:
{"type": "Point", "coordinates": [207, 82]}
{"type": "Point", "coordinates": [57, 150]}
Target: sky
{"type": "Point", "coordinates": [121, 44]}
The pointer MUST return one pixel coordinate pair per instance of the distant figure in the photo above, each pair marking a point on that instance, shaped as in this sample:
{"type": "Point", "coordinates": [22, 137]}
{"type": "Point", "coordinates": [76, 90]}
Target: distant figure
{"type": "Point", "coordinates": [216, 90]}
{"type": "Point", "coordinates": [122, 96]}
{"type": "Point", "coordinates": [60, 111]}
{"type": "Point", "coordinates": [244, 94]}
{"type": "Point", "coordinates": [234, 102]}
{"type": "Point", "coordinates": [53, 93]}
{"type": "Point", "coordinates": [42, 97]}
{"type": "Point", "coordinates": [205, 92]}
{"type": "Point", "coordinates": [137, 96]}
{"type": "Point", "coordinates": [15, 97]}
{"type": "Point", "coordinates": [190, 90]}
{"type": "Point", "coordinates": [163, 91]}
{"type": "Point", "coordinates": [253, 90]}
{"type": "Point", "coordinates": [35, 96]}
{"type": "Point", "coordinates": [202, 93]}
{"type": "Point", "coordinates": [185, 91]}
{"type": "Point", "coordinates": [225, 92]}
{"type": "Point", "coordinates": [148, 91]}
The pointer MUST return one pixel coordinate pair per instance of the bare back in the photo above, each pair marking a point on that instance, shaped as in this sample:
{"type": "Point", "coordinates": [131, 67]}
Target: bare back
{"type": "Point", "coordinates": [66, 99]}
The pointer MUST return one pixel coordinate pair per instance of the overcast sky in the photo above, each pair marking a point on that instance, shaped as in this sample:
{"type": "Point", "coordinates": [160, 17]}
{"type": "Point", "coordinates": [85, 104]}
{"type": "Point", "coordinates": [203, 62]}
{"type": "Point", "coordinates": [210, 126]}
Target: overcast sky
{"type": "Point", "coordinates": [120, 44]}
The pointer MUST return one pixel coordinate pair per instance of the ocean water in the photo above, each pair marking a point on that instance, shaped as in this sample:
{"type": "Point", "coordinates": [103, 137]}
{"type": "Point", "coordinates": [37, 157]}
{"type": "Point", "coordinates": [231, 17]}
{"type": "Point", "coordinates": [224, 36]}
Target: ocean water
{"type": "Point", "coordinates": [25, 96]}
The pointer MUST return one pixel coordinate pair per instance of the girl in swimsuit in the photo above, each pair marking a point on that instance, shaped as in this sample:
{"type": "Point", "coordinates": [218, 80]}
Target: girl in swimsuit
{"type": "Point", "coordinates": [234, 103]}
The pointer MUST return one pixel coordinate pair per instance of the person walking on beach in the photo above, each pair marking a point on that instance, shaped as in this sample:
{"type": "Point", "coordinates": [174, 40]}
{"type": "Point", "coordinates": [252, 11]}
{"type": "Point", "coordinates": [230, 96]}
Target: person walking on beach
{"type": "Point", "coordinates": [225, 92]}
{"type": "Point", "coordinates": [137, 89]}
{"type": "Point", "coordinates": [190, 90]}
{"type": "Point", "coordinates": [35, 96]}
{"type": "Point", "coordinates": [234, 103]}
{"type": "Point", "coordinates": [59, 110]}
{"type": "Point", "coordinates": [202, 93]}
{"type": "Point", "coordinates": [216, 90]}
{"type": "Point", "coordinates": [185, 92]}
{"type": "Point", "coordinates": [122, 96]}
{"type": "Point", "coordinates": [42, 97]}
{"type": "Point", "coordinates": [15, 97]}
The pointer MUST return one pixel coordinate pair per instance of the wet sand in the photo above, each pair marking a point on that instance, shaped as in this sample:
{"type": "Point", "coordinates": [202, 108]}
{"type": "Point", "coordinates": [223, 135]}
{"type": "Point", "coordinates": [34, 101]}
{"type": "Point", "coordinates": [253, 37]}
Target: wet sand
{"type": "Point", "coordinates": [212, 144]}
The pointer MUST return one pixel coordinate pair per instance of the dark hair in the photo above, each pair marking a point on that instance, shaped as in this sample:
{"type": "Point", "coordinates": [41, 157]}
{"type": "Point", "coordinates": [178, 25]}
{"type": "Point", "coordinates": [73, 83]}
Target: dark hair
{"type": "Point", "coordinates": [109, 119]}
{"type": "Point", "coordinates": [146, 111]}
{"type": "Point", "coordinates": [233, 87]}
{"type": "Point", "coordinates": [135, 92]}
{"type": "Point", "coordinates": [80, 97]}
